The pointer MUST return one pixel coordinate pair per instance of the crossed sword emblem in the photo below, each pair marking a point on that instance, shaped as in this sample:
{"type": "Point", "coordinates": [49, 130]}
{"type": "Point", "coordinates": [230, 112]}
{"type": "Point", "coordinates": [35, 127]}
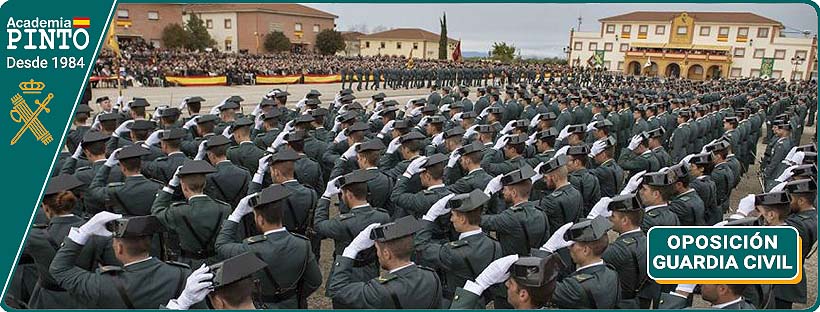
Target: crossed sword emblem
{"type": "Point", "coordinates": [21, 113]}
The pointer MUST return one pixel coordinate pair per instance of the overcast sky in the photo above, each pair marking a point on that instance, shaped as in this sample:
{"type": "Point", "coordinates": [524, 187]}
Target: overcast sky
{"type": "Point", "coordinates": [536, 29]}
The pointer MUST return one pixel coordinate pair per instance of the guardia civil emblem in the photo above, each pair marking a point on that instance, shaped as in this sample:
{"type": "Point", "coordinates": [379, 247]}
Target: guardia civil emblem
{"type": "Point", "coordinates": [21, 112]}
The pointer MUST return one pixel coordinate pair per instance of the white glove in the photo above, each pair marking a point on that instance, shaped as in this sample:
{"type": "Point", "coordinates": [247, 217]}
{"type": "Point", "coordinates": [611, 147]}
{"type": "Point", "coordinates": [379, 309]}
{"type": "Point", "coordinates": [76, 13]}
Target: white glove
{"type": "Point", "coordinates": [597, 148]}
{"type": "Point", "coordinates": [336, 124]}
{"type": "Point", "coordinates": [96, 124]}
{"type": "Point", "coordinates": [457, 117]}
{"type": "Point", "coordinates": [534, 121]}
{"type": "Point", "coordinates": [494, 185]}
{"type": "Point", "coordinates": [746, 205]}
{"type": "Point", "coordinates": [343, 109]}
{"type": "Point", "coordinates": [722, 223]}
{"type": "Point", "coordinates": [495, 273]}
{"type": "Point", "coordinates": [190, 123]}
{"type": "Point", "coordinates": [350, 152]}
{"type": "Point", "coordinates": [779, 187]}
{"type": "Point", "coordinates": [242, 208]}
{"type": "Point", "coordinates": [736, 216]}
{"type": "Point", "coordinates": [227, 132]}
{"type": "Point", "coordinates": [94, 226]}
{"type": "Point", "coordinates": [791, 153]}
{"type": "Point", "coordinates": [538, 175]}
{"type": "Point", "coordinates": [531, 139]}
{"type": "Point", "coordinates": [438, 209]}
{"type": "Point", "coordinates": [289, 127]}
{"type": "Point", "coordinates": [423, 122]}
{"type": "Point", "coordinates": [261, 169]}
{"type": "Point", "coordinates": [414, 167]}
{"type": "Point", "coordinates": [454, 157]}
{"type": "Point", "coordinates": [197, 287]}
{"type": "Point", "coordinates": [387, 127]}
{"type": "Point", "coordinates": [438, 139]}
{"type": "Point", "coordinates": [280, 140]}
{"type": "Point", "coordinates": [563, 134]}
{"type": "Point", "coordinates": [600, 208]}
{"type": "Point", "coordinates": [416, 111]}
{"type": "Point", "coordinates": [200, 151]}
{"type": "Point", "coordinates": [157, 111]}
{"type": "Point", "coordinates": [301, 104]}
{"type": "Point", "coordinates": [259, 122]}
{"type": "Point", "coordinates": [340, 137]}
{"type": "Point", "coordinates": [369, 101]}
{"type": "Point", "coordinates": [175, 180]}
{"type": "Point", "coordinates": [635, 142]}
{"type": "Point", "coordinates": [508, 127]}
{"type": "Point", "coordinates": [685, 288]}
{"type": "Point", "coordinates": [797, 158]}
{"type": "Point", "coordinates": [561, 151]}
{"type": "Point", "coordinates": [591, 127]}
{"type": "Point", "coordinates": [122, 128]}
{"type": "Point", "coordinates": [633, 183]}
{"type": "Point", "coordinates": [153, 138]}
{"type": "Point", "coordinates": [184, 103]}
{"type": "Point", "coordinates": [787, 174]}
{"type": "Point", "coordinates": [361, 242]}
{"type": "Point", "coordinates": [120, 101]}
{"type": "Point", "coordinates": [78, 152]}
{"type": "Point", "coordinates": [375, 115]}
{"type": "Point", "coordinates": [393, 146]}
{"type": "Point", "coordinates": [501, 142]}
{"type": "Point", "coordinates": [444, 108]}
{"type": "Point", "coordinates": [470, 131]}
{"type": "Point", "coordinates": [686, 159]}
{"type": "Point", "coordinates": [556, 241]}
{"type": "Point", "coordinates": [331, 188]}
{"type": "Point", "coordinates": [484, 112]}
{"type": "Point", "coordinates": [112, 159]}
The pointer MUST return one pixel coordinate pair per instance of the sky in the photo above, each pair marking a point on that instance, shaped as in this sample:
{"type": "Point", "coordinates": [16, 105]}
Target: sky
{"type": "Point", "coordinates": [537, 29]}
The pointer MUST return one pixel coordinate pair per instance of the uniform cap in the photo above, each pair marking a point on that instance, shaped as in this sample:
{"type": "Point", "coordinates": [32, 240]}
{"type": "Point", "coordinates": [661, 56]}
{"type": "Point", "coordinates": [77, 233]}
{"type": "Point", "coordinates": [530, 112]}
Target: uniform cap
{"type": "Point", "coordinates": [701, 159]}
{"type": "Point", "coordinates": [553, 164]}
{"type": "Point", "coordinates": [536, 271]}
{"type": "Point", "coordinates": [807, 148]}
{"type": "Point", "coordinates": [95, 136]}
{"type": "Point", "coordinates": [319, 112]}
{"type": "Point", "coordinates": [435, 159]}
{"type": "Point", "coordinates": [681, 172]}
{"type": "Point", "coordinates": [357, 126]}
{"type": "Point", "coordinates": [808, 170]}
{"type": "Point", "coordinates": [217, 140]}
{"type": "Point", "coordinates": [469, 201]}
{"type": "Point", "coordinates": [270, 194]}
{"type": "Point", "coordinates": [547, 134]}
{"type": "Point", "coordinates": [718, 146]}
{"type": "Point", "coordinates": [63, 182]}
{"type": "Point", "coordinates": [267, 102]}
{"type": "Point", "coordinates": [437, 119]}
{"type": "Point", "coordinates": [303, 118]}
{"type": "Point", "coordinates": [138, 102]}
{"type": "Point", "coordinates": [471, 148]}
{"type": "Point", "coordinates": [772, 198]}
{"type": "Point", "coordinates": [132, 151]}
{"type": "Point", "coordinates": [379, 96]}
{"type": "Point", "coordinates": [141, 125]}
{"type": "Point", "coordinates": [402, 124]}
{"type": "Point", "coordinates": [196, 167]}
{"type": "Point", "coordinates": [588, 230]}
{"type": "Point", "coordinates": [402, 227]}
{"type": "Point", "coordinates": [236, 99]}
{"type": "Point", "coordinates": [371, 145]}
{"type": "Point", "coordinates": [108, 116]}
{"type": "Point", "coordinates": [454, 132]}
{"type": "Point", "coordinates": [357, 176]}
{"type": "Point", "coordinates": [579, 150]}
{"type": "Point", "coordinates": [273, 113]}
{"type": "Point", "coordinates": [656, 133]}
{"type": "Point", "coordinates": [296, 136]}
{"type": "Point", "coordinates": [229, 105]}
{"type": "Point", "coordinates": [207, 118]}
{"type": "Point", "coordinates": [660, 178]}
{"type": "Point", "coordinates": [235, 269]}
{"type": "Point", "coordinates": [286, 154]}
{"type": "Point", "coordinates": [194, 99]}
{"type": "Point", "coordinates": [102, 98]}
{"type": "Point", "coordinates": [346, 117]}
{"type": "Point", "coordinates": [577, 129]}
{"type": "Point", "coordinates": [516, 176]}
{"type": "Point", "coordinates": [83, 108]}
{"type": "Point", "coordinates": [136, 226]}
{"type": "Point", "coordinates": [314, 92]}
{"type": "Point", "coordinates": [413, 135]}
{"type": "Point", "coordinates": [517, 139]}
{"type": "Point", "coordinates": [803, 186]}
{"type": "Point", "coordinates": [469, 115]}
{"type": "Point", "coordinates": [241, 122]}
{"type": "Point", "coordinates": [485, 129]}
{"type": "Point", "coordinates": [628, 202]}
{"type": "Point", "coordinates": [168, 112]}
{"type": "Point", "coordinates": [172, 134]}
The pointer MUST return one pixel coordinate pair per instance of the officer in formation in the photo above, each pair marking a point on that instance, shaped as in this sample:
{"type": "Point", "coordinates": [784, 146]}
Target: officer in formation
{"type": "Point", "coordinates": [416, 186]}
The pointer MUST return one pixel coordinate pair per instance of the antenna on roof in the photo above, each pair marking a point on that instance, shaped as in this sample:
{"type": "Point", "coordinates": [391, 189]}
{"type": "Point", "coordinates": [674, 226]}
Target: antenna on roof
{"type": "Point", "coordinates": [580, 19]}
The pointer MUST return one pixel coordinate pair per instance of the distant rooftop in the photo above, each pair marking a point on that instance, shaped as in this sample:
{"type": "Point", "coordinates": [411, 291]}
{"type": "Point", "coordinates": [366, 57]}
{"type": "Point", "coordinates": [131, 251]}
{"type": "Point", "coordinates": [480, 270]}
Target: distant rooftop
{"type": "Point", "coordinates": [406, 34]}
{"type": "Point", "coordinates": [706, 17]}
{"type": "Point", "coordinates": [280, 8]}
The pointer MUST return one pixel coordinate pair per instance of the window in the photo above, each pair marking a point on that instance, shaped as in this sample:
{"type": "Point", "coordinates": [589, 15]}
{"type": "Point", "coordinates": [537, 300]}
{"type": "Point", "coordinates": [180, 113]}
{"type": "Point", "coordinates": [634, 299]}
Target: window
{"type": "Point", "coordinates": [620, 65]}
{"type": "Point", "coordinates": [759, 53]}
{"type": "Point", "coordinates": [297, 27]}
{"type": "Point", "coordinates": [209, 24]}
{"type": "Point", "coordinates": [735, 72]}
{"type": "Point", "coordinates": [779, 54]}
{"type": "Point", "coordinates": [398, 45]}
{"type": "Point", "coordinates": [153, 15]}
{"type": "Point", "coordinates": [643, 29]}
{"type": "Point", "coordinates": [755, 72]}
{"type": "Point", "coordinates": [626, 28]}
{"type": "Point", "coordinates": [776, 74]}
{"type": "Point", "coordinates": [578, 46]}
{"type": "Point", "coordinates": [682, 30]}
{"type": "Point", "coordinates": [743, 32]}
{"type": "Point", "coordinates": [593, 46]}
{"type": "Point", "coordinates": [610, 29]}
{"type": "Point", "coordinates": [382, 45]}
{"type": "Point", "coordinates": [800, 53]}
{"type": "Point", "coordinates": [607, 64]}
{"type": "Point", "coordinates": [415, 45]}
{"type": "Point", "coordinates": [705, 30]}
{"type": "Point", "coordinates": [763, 32]}
{"type": "Point", "coordinates": [122, 14]}
{"type": "Point", "coordinates": [367, 44]}
{"type": "Point", "coordinates": [316, 28]}
{"type": "Point", "coordinates": [723, 32]}
{"type": "Point", "coordinates": [660, 29]}
{"type": "Point", "coordinates": [624, 47]}
{"type": "Point", "coordinates": [228, 23]}
{"type": "Point", "coordinates": [739, 52]}
{"type": "Point", "coordinates": [608, 46]}
{"type": "Point", "coordinates": [797, 75]}
{"type": "Point", "coordinates": [228, 44]}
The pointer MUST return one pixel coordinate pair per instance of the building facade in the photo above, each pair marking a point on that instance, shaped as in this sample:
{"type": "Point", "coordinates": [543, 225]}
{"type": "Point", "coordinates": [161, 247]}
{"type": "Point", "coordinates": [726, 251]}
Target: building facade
{"type": "Point", "coordinates": [235, 27]}
{"type": "Point", "coordinates": [406, 42]}
{"type": "Point", "coordinates": [695, 45]}
{"type": "Point", "coordinates": [352, 44]}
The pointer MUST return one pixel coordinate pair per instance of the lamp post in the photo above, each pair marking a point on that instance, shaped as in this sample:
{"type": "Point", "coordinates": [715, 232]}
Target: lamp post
{"type": "Point", "coordinates": [568, 51]}
{"type": "Point", "coordinates": [796, 61]}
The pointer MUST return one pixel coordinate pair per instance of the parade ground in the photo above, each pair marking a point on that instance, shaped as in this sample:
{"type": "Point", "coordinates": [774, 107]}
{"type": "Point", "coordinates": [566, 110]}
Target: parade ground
{"type": "Point", "coordinates": [252, 94]}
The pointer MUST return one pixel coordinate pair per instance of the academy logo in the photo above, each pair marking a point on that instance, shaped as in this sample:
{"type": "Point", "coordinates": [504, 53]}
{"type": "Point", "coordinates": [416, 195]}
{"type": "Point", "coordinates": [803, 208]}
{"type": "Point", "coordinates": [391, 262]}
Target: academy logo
{"type": "Point", "coordinates": [22, 113]}
{"type": "Point", "coordinates": [47, 34]}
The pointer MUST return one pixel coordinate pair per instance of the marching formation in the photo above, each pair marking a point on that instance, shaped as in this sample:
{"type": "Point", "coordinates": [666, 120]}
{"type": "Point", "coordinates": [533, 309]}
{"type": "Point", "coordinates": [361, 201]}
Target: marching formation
{"type": "Point", "coordinates": [533, 194]}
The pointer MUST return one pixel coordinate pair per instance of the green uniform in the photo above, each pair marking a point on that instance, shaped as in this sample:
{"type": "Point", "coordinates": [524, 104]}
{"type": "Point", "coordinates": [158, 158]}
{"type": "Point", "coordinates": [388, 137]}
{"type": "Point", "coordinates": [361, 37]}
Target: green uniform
{"type": "Point", "coordinates": [308, 172]}
{"type": "Point", "coordinates": [724, 180]}
{"type": "Point", "coordinates": [265, 139]}
{"type": "Point", "coordinates": [561, 206]}
{"type": "Point", "coordinates": [496, 168]}
{"type": "Point", "coordinates": [610, 177]}
{"type": "Point", "coordinates": [246, 155]}
{"type": "Point", "coordinates": [410, 287]}
{"type": "Point", "coordinates": [664, 160]}
{"type": "Point", "coordinates": [806, 224]}
{"type": "Point", "coordinates": [475, 180]}
{"type": "Point", "coordinates": [145, 284]}
{"type": "Point", "coordinates": [162, 169]}
{"type": "Point", "coordinates": [518, 228]}
{"type": "Point", "coordinates": [675, 302]}
{"type": "Point", "coordinates": [132, 197]}
{"type": "Point", "coordinates": [196, 222]}
{"type": "Point", "coordinates": [292, 273]}
{"type": "Point", "coordinates": [627, 254]}
{"type": "Point", "coordinates": [689, 208]}
{"type": "Point", "coordinates": [707, 192]}
{"type": "Point", "coordinates": [228, 184]}
{"type": "Point", "coordinates": [588, 288]}
{"type": "Point", "coordinates": [587, 184]}
{"type": "Point", "coordinates": [636, 163]}
{"type": "Point", "coordinates": [678, 142]}
{"type": "Point", "coordinates": [414, 203]}
{"type": "Point", "coordinates": [658, 215]}
{"type": "Point", "coordinates": [90, 205]}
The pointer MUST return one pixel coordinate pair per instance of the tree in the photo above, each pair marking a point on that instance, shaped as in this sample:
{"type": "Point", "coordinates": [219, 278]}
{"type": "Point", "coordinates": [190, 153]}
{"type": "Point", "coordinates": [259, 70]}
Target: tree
{"type": "Point", "coordinates": [276, 41]}
{"type": "Point", "coordinates": [174, 36]}
{"type": "Point", "coordinates": [442, 41]}
{"type": "Point", "coordinates": [329, 41]}
{"type": "Point", "coordinates": [198, 37]}
{"type": "Point", "coordinates": [503, 52]}
{"type": "Point", "coordinates": [379, 28]}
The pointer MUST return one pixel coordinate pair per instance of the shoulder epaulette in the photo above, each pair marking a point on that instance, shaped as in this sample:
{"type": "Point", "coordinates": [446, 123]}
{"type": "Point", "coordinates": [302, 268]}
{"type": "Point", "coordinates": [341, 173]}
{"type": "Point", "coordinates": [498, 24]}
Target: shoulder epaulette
{"type": "Point", "coordinates": [647, 155]}
{"type": "Point", "coordinates": [582, 277]}
{"type": "Point", "coordinates": [219, 201]}
{"type": "Point", "coordinates": [652, 213]}
{"type": "Point", "coordinates": [116, 184]}
{"type": "Point", "coordinates": [300, 236]}
{"type": "Point", "coordinates": [685, 198]}
{"type": "Point", "coordinates": [458, 243]}
{"type": "Point", "coordinates": [628, 240]}
{"type": "Point", "coordinates": [233, 147]}
{"type": "Point", "coordinates": [346, 216]}
{"type": "Point", "coordinates": [179, 203]}
{"type": "Point", "coordinates": [163, 158]}
{"type": "Point", "coordinates": [261, 135]}
{"type": "Point", "coordinates": [82, 168]}
{"type": "Point", "coordinates": [179, 264]}
{"type": "Point", "coordinates": [156, 181]}
{"type": "Point", "coordinates": [255, 239]}
{"type": "Point", "coordinates": [39, 225]}
{"type": "Point", "coordinates": [386, 278]}
{"type": "Point", "coordinates": [110, 269]}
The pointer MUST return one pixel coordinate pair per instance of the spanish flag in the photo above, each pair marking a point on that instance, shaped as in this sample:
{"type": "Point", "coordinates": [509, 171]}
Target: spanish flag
{"type": "Point", "coordinates": [81, 22]}
{"type": "Point", "coordinates": [111, 40]}
{"type": "Point", "coordinates": [410, 63]}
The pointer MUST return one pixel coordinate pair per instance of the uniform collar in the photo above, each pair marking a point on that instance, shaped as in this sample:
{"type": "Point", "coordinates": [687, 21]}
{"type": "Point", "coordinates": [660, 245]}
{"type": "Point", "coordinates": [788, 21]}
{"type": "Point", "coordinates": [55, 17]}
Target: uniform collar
{"type": "Point", "coordinates": [601, 262]}
{"type": "Point", "coordinates": [469, 233]}
{"type": "Point", "coordinates": [474, 170]}
{"type": "Point", "coordinates": [137, 262]}
{"type": "Point", "coordinates": [402, 267]}
{"type": "Point", "coordinates": [282, 229]}
{"type": "Point", "coordinates": [723, 305]}
{"type": "Point", "coordinates": [435, 186]}
{"type": "Point", "coordinates": [638, 229]}
{"type": "Point", "coordinates": [650, 208]}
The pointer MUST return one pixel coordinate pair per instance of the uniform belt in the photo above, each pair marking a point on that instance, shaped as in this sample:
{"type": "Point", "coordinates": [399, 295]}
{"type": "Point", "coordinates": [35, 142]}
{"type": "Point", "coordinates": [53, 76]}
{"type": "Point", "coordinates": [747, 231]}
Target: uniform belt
{"type": "Point", "coordinates": [199, 255]}
{"type": "Point", "coordinates": [50, 286]}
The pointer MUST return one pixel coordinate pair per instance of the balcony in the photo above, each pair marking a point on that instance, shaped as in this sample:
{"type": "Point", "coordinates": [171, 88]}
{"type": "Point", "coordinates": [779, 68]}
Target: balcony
{"type": "Point", "coordinates": [679, 55]}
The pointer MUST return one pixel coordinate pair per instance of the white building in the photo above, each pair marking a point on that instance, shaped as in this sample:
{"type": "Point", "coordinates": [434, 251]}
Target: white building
{"type": "Point", "coordinates": [696, 45]}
